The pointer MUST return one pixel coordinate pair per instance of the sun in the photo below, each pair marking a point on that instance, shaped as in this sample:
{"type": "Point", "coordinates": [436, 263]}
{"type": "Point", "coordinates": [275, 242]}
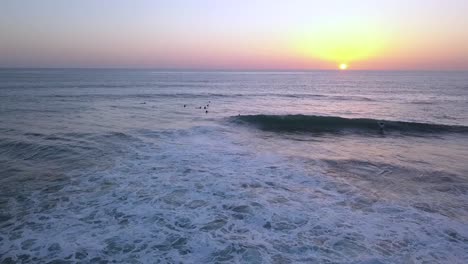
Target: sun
{"type": "Point", "coordinates": [343, 66]}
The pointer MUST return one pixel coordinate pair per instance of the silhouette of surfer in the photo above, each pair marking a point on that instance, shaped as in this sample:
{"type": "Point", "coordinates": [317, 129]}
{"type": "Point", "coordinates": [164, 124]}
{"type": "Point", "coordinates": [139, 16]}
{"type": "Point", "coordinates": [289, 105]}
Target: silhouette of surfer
{"type": "Point", "coordinates": [381, 127]}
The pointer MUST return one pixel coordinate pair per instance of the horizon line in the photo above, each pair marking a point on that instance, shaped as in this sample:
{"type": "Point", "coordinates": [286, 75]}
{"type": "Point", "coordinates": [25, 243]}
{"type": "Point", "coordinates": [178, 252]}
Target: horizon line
{"type": "Point", "coordinates": [228, 70]}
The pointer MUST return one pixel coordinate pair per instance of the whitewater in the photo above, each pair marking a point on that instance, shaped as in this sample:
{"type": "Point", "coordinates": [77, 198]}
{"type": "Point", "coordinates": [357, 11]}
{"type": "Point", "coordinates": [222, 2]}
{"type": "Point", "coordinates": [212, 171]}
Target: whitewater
{"type": "Point", "coordinates": [145, 166]}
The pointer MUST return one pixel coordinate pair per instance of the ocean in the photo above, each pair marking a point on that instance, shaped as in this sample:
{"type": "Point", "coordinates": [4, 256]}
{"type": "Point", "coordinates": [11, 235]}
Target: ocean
{"type": "Point", "coordinates": [145, 166]}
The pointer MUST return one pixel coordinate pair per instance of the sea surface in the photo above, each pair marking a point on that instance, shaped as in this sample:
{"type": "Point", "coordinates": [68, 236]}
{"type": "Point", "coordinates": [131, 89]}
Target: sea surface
{"type": "Point", "coordinates": [127, 166]}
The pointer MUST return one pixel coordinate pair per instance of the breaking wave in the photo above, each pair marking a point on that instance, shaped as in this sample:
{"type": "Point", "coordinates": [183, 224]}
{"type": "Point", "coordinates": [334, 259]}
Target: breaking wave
{"type": "Point", "coordinates": [312, 123]}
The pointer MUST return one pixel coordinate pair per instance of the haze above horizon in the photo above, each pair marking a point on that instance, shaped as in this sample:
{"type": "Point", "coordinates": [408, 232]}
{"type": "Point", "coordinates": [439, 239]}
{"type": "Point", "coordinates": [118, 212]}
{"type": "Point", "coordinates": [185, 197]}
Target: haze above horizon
{"type": "Point", "coordinates": [251, 35]}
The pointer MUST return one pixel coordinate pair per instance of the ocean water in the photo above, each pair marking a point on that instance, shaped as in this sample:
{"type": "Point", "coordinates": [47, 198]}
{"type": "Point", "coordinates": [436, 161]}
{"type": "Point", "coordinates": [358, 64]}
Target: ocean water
{"type": "Point", "coordinates": [121, 166]}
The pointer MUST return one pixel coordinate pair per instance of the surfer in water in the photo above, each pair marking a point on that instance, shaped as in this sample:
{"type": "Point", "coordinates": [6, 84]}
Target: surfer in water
{"type": "Point", "coordinates": [381, 127]}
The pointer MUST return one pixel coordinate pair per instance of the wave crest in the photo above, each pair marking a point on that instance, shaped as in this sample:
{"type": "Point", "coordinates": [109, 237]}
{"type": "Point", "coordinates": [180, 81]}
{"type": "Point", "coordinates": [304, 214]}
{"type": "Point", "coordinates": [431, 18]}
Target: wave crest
{"type": "Point", "coordinates": [312, 123]}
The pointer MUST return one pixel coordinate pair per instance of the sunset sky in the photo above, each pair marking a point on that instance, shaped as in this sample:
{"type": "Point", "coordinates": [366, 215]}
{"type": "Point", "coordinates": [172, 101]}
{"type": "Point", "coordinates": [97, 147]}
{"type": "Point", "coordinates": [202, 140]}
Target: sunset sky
{"type": "Point", "coordinates": [242, 34]}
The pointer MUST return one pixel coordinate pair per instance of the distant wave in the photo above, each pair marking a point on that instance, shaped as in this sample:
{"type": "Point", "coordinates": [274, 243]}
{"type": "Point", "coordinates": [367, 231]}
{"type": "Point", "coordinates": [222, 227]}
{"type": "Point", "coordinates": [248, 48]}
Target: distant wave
{"type": "Point", "coordinates": [62, 146]}
{"type": "Point", "coordinates": [208, 95]}
{"type": "Point", "coordinates": [311, 123]}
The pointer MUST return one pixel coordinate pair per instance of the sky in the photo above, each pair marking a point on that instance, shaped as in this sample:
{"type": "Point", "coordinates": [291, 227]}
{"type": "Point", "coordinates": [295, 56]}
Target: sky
{"type": "Point", "coordinates": [235, 35]}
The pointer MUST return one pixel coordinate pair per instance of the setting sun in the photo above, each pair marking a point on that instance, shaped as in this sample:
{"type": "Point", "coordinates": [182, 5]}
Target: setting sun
{"type": "Point", "coordinates": [343, 66]}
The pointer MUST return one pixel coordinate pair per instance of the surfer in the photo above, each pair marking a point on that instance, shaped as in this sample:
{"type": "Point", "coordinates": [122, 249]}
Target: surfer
{"type": "Point", "coordinates": [381, 126]}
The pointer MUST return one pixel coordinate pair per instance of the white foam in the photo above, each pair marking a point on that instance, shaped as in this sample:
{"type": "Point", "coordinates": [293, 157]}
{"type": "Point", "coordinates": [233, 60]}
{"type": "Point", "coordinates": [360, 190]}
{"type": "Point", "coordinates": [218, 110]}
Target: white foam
{"type": "Point", "coordinates": [202, 195]}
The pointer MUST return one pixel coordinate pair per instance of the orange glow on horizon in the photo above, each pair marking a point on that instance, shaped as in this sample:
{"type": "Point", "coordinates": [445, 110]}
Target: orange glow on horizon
{"type": "Point", "coordinates": [343, 40]}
